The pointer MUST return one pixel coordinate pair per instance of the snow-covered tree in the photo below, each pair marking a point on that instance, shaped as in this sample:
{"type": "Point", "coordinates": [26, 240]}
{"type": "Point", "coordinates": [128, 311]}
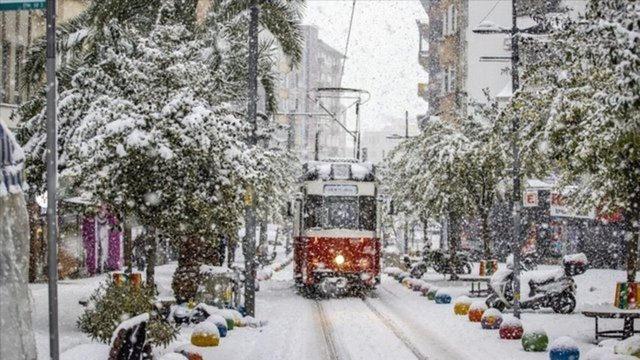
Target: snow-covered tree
{"type": "Point", "coordinates": [155, 129]}
{"type": "Point", "coordinates": [581, 104]}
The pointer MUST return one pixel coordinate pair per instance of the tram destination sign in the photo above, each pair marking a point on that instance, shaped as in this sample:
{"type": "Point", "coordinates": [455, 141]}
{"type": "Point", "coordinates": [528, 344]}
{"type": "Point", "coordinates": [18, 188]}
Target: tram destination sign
{"type": "Point", "coordinates": [9, 5]}
{"type": "Point", "coordinates": [340, 190]}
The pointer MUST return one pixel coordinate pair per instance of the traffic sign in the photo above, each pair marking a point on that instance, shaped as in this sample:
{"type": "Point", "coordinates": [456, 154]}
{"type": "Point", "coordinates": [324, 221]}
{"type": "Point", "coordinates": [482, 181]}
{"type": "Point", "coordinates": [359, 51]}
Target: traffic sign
{"type": "Point", "coordinates": [8, 5]}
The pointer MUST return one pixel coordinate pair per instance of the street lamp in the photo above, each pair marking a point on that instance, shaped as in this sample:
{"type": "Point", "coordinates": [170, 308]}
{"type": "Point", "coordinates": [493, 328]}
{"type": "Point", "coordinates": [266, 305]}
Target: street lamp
{"type": "Point", "coordinates": [400, 137]}
{"type": "Point", "coordinates": [487, 27]}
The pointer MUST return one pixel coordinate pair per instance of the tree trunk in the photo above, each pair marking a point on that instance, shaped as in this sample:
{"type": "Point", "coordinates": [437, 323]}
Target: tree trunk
{"type": "Point", "coordinates": [486, 235]}
{"type": "Point", "coordinates": [34, 241]}
{"type": "Point", "coordinates": [633, 238]}
{"type": "Point", "coordinates": [128, 246]}
{"type": "Point", "coordinates": [454, 233]}
{"type": "Point", "coordinates": [151, 247]}
{"type": "Point", "coordinates": [425, 232]}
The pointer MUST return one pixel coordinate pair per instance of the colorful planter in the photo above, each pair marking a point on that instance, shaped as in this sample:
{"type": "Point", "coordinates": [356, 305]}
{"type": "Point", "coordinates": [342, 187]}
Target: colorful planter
{"type": "Point", "coordinates": [491, 319]}
{"type": "Point", "coordinates": [205, 334]}
{"type": "Point", "coordinates": [511, 329]}
{"type": "Point", "coordinates": [220, 323]}
{"type": "Point", "coordinates": [442, 298]}
{"type": "Point", "coordinates": [476, 310]}
{"type": "Point", "coordinates": [461, 305]}
{"type": "Point", "coordinates": [564, 348]}
{"type": "Point", "coordinates": [425, 289]}
{"type": "Point", "coordinates": [535, 341]}
{"type": "Point", "coordinates": [431, 295]}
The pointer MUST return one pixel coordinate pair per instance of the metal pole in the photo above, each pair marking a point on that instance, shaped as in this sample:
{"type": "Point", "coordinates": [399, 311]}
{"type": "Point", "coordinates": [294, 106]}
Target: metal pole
{"type": "Point", "coordinates": [356, 140]}
{"type": "Point", "coordinates": [406, 236]}
{"type": "Point", "coordinates": [316, 154]}
{"type": "Point", "coordinates": [517, 194]}
{"type": "Point", "coordinates": [249, 244]}
{"type": "Point", "coordinates": [52, 203]}
{"type": "Point", "coordinates": [406, 124]}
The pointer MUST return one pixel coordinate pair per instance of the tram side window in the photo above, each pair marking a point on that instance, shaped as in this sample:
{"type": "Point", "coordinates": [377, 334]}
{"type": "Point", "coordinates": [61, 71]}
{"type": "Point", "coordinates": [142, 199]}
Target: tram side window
{"type": "Point", "coordinates": [313, 211]}
{"type": "Point", "coordinates": [368, 213]}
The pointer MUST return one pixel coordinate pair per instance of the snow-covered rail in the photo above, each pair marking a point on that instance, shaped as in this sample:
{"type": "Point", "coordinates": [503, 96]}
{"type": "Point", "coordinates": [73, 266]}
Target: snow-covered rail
{"type": "Point", "coordinates": [396, 331]}
{"type": "Point", "coordinates": [326, 332]}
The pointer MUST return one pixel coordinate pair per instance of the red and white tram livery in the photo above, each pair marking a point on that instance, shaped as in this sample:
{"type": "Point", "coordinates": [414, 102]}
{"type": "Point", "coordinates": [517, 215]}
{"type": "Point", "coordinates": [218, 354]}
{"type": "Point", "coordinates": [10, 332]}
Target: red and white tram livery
{"type": "Point", "coordinates": [336, 227]}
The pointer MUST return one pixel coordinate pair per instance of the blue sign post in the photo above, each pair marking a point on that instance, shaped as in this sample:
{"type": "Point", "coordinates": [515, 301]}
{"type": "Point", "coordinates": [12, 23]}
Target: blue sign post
{"type": "Point", "coordinates": [8, 5]}
{"type": "Point", "coordinates": [52, 159]}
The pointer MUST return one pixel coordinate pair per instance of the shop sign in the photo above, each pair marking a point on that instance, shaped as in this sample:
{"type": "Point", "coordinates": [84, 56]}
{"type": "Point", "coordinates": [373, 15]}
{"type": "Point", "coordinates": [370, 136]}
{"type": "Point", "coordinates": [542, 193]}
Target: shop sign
{"type": "Point", "coordinates": [559, 207]}
{"type": "Point", "coordinates": [530, 198]}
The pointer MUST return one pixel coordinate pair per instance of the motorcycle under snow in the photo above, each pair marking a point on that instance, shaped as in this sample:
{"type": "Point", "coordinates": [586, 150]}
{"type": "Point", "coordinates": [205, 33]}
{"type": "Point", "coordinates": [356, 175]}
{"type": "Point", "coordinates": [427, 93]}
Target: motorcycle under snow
{"type": "Point", "coordinates": [549, 289]}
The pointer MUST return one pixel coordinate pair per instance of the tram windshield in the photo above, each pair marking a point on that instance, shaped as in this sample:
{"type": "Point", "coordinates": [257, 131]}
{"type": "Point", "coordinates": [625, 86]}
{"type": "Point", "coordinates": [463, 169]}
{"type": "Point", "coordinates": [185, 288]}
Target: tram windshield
{"type": "Point", "coordinates": [340, 212]}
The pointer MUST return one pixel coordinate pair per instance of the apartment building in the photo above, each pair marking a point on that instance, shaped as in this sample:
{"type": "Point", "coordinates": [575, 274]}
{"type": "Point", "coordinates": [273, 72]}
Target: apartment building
{"type": "Point", "coordinates": [18, 31]}
{"type": "Point", "coordinates": [461, 63]}
{"type": "Point", "coordinates": [313, 134]}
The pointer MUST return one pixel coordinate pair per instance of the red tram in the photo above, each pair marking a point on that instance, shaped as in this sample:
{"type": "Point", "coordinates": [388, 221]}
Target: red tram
{"type": "Point", "coordinates": [336, 228]}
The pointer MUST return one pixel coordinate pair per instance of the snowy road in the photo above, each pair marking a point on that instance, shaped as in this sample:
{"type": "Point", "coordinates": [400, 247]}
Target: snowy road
{"type": "Point", "coordinates": [392, 323]}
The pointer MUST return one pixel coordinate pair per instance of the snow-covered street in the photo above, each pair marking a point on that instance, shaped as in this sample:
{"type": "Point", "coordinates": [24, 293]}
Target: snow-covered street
{"type": "Point", "coordinates": [392, 323]}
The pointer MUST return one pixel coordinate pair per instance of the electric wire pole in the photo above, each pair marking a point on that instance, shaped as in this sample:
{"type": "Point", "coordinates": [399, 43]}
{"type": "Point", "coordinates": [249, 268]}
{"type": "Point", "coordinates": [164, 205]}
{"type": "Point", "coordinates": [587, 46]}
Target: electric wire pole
{"type": "Point", "coordinates": [517, 194]}
{"type": "Point", "coordinates": [515, 129]}
{"type": "Point", "coordinates": [249, 243]}
{"type": "Point", "coordinates": [52, 179]}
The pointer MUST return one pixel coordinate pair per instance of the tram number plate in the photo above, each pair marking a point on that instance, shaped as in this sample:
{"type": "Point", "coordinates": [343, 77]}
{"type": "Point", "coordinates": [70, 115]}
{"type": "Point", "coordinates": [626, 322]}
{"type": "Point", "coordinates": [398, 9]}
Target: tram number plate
{"type": "Point", "coordinates": [340, 190]}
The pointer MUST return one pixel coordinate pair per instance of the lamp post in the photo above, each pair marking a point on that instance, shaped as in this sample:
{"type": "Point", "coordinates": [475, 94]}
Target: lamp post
{"type": "Point", "coordinates": [515, 128]}
{"type": "Point", "coordinates": [405, 137]}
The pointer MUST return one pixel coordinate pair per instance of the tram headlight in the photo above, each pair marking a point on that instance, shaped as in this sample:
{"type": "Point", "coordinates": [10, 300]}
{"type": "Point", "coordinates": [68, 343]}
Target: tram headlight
{"type": "Point", "coordinates": [339, 260]}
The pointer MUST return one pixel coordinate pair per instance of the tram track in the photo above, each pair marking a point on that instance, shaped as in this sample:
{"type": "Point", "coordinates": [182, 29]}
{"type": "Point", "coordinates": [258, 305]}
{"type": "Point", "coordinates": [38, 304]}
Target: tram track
{"type": "Point", "coordinates": [333, 347]}
{"type": "Point", "coordinates": [395, 330]}
{"type": "Point", "coordinates": [327, 332]}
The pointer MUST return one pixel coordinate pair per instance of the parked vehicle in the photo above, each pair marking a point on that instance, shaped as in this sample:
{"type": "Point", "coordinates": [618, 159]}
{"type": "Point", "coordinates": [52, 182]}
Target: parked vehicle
{"type": "Point", "coordinates": [440, 261]}
{"type": "Point", "coordinates": [547, 289]}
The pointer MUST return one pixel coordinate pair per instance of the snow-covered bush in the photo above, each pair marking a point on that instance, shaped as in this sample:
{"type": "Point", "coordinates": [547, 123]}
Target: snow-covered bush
{"type": "Point", "coordinates": [113, 303]}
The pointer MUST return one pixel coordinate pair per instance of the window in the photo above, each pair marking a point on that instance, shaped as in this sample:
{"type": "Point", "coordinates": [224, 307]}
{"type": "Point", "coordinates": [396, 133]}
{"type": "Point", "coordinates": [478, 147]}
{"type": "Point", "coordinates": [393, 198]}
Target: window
{"type": "Point", "coordinates": [368, 213]}
{"type": "Point", "coordinates": [444, 88]}
{"type": "Point", "coordinates": [445, 25]}
{"type": "Point", "coordinates": [454, 20]}
{"type": "Point", "coordinates": [451, 86]}
{"type": "Point", "coordinates": [342, 212]}
{"type": "Point", "coordinates": [313, 211]}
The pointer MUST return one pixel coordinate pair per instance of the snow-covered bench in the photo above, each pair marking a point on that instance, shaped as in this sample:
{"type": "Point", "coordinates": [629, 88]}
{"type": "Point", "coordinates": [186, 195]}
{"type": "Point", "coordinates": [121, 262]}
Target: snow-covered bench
{"type": "Point", "coordinates": [608, 311]}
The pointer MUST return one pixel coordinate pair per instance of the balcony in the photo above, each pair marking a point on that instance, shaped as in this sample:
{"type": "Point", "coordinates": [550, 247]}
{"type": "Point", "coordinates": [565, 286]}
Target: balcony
{"type": "Point", "coordinates": [423, 91]}
{"type": "Point", "coordinates": [423, 59]}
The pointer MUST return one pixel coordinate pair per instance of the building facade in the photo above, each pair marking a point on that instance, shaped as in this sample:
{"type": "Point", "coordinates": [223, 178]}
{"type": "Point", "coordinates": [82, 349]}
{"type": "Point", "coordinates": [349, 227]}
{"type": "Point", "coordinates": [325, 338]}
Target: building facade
{"type": "Point", "coordinates": [18, 31]}
{"type": "Point", "coordinates": [460, 63]}
{"type": "Point", "coordinates": [313, 133]}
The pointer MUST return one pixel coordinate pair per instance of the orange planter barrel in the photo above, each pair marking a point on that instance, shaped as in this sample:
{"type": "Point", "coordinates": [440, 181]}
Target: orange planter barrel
{"type": "Point", "coordinates": [476, 310]}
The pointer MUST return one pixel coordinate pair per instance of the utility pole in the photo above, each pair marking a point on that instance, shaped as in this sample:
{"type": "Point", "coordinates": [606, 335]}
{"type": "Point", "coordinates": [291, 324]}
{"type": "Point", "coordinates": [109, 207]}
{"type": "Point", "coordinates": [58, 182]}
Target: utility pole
{"type": "Point", "coordinates": [249, 243]}
{"type": "Point", "coordinates": [405, 137]}
{"type": "Point", "coordinates": [517, 193]}
{"type": "Point", "coordinates": [52, 180]}
{"type": "Point", "coordinates": [515, 128]}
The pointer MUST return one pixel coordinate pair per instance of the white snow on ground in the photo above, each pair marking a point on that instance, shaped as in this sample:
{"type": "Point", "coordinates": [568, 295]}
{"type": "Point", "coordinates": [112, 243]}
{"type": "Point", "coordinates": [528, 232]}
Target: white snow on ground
{"type": "Point", "coordinates": [294, 329]}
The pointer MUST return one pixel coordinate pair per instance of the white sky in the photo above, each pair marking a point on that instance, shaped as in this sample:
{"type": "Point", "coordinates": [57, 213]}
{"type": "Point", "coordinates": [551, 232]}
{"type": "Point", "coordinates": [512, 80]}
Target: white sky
{"type": "Point", "coordinates": [382, 54]}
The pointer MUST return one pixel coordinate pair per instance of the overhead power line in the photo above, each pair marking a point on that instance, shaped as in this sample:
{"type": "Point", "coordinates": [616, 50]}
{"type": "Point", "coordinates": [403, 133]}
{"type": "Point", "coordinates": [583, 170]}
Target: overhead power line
{"type": "Point", "coordinates": [346, 48]}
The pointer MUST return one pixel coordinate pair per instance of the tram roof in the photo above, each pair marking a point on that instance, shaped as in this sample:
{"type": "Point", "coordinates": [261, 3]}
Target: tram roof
{"type": "Point", "coordinates": [338, 170]}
